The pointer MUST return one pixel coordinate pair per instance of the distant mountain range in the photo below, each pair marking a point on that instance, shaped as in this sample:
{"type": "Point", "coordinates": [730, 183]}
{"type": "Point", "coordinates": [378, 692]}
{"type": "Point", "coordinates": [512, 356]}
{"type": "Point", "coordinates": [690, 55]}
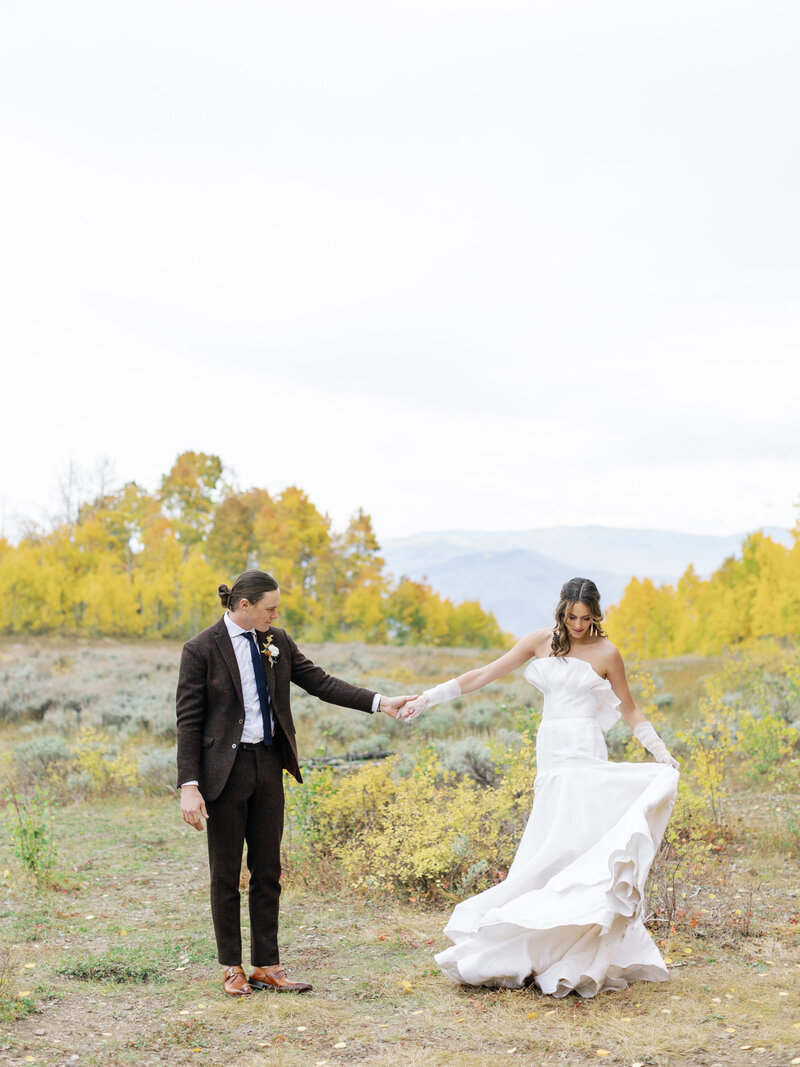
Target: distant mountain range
{"type": "Point", "coordinates": [518, 575]}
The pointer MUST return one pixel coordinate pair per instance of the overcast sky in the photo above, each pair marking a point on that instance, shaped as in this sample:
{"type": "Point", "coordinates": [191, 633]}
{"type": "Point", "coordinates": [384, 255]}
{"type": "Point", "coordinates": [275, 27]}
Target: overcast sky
{"type": "Point", "coordinates": [465, 263]}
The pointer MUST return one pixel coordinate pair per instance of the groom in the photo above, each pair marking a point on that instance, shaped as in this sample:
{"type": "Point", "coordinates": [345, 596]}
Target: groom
{"type": "Point", "coordinates": [235, 738]}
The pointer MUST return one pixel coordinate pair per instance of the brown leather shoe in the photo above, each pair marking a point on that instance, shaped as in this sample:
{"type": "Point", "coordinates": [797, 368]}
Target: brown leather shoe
{"type": "Point", "coordinates": [275, 978]}
{"type": "Point", "coordinates": [235, 984]}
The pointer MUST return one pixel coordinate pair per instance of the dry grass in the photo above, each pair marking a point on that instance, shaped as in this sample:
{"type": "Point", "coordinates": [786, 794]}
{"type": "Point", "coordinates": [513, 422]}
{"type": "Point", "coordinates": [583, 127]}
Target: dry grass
{"type": "Point", "coordinates": [134, 890]}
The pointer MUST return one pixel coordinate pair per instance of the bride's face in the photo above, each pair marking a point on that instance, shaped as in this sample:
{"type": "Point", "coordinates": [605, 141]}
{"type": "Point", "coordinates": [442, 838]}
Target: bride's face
{"type": "Point", "coordinates": [579, 621]}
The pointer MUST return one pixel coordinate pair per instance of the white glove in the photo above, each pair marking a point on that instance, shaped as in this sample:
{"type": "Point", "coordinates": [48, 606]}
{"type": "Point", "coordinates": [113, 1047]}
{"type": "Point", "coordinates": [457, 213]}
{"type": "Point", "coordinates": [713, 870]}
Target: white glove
{"type": "Point", "coordinates": [413, 708]}
{"type": "Point", "coordinates": [646, 735]}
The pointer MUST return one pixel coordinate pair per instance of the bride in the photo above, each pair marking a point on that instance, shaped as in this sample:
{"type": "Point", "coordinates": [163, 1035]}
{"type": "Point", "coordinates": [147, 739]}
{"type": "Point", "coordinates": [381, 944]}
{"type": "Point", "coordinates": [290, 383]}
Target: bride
{"type": "Point", "coordinates": [569, 915]}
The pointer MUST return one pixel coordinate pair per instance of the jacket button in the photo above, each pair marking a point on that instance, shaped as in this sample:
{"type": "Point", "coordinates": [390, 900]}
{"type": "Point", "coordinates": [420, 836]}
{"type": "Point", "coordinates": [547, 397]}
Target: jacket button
{"type": "Point", "coordinates": [241, 721]}
{"type": "Point", "coordinates": [233, 746]}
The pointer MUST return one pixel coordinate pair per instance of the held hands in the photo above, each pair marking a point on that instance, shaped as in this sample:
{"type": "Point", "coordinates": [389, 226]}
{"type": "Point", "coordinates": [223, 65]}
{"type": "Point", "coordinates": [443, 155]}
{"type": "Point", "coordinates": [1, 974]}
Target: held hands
{"type": "Point", "coordinates": [413, 708]}
{"type": "Point", "coordinates": [438, 695]}
{"type": "Point", "coordinates": [391, 705]}
{"type": "Point", "coordinates": [193, 807]}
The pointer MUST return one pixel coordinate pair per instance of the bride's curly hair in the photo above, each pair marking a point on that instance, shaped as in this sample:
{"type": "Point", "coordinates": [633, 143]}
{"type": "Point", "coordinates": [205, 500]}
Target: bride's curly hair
{"type": "Point", "coordinates": [576, 591]}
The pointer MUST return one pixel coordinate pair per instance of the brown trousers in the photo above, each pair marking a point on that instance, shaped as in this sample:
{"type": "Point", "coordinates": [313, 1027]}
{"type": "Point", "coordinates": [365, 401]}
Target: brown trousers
{"type": "Point", "coordinates": [248, 810]}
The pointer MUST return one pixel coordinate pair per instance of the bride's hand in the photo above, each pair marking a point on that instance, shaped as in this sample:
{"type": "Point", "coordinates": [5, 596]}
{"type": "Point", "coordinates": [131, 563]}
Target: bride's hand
{"type": "Point", "coordinates": [667, 759]}
{"type": "Point", "coordinates": [413, 708]}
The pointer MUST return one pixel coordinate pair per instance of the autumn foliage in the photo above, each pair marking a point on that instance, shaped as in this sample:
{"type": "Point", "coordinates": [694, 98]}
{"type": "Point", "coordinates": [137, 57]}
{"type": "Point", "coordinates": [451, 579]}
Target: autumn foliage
{"type": "Point", "coordinates": [752, 596]}
{"type": "Point", "coordinates": [132, 563]}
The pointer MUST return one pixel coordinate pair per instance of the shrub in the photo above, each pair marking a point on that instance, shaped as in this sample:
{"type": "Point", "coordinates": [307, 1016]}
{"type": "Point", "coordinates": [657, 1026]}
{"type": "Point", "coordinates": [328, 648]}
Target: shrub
{"type": "Point", "coordinates": [102, 762]}
{"type": "Point", "coordinates": [764, 743]}
{"type": "Point", "coordinates": [156, 769]}
{"type": "Point", "coordinates": [431, 832]}
{"type": "Point", "coordinates": [681, 860]}
{"type": "Point", "coordinates": [40, 758]}
{"type": "Point", "coordinates": [31, 832]}
{"type": "Point", "coordinates": [469, 758]}
{"type": "Point", "coordinates": [710, 748]}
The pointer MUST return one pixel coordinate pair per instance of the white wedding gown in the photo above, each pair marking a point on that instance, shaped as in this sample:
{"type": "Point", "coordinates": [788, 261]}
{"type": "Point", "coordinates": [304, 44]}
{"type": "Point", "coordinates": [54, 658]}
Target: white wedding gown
{"type": "Point", "coordinates": [569, 914]}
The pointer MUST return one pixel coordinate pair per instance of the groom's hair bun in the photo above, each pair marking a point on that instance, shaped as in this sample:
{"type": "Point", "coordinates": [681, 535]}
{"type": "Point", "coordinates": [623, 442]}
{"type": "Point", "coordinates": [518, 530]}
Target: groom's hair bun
{"type": "Point", "coordinates": [251, 585]}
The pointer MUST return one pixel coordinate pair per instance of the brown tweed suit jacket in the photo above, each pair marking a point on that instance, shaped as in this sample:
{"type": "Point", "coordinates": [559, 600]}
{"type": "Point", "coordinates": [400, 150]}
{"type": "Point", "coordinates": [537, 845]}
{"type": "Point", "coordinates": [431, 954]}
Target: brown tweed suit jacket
{"type": "Point", "coordinates": [210, 705]}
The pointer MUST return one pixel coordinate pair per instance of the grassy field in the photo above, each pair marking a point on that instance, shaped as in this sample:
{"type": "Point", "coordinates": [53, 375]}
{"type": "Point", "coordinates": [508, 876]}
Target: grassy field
{"type": "Point", "coordinates": [112, 961]}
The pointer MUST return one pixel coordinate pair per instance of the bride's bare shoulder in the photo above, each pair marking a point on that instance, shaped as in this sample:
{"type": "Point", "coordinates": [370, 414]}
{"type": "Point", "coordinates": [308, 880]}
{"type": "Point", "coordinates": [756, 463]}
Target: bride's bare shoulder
{"type": "Point", "coordinates": [608, 653]}
{"type": "Point", "coordinates": [538, 642]}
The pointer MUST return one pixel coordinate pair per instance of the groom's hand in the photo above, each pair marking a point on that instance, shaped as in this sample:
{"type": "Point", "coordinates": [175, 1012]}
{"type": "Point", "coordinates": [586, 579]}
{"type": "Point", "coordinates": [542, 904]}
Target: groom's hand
{"type": "Point", "coordinates": [414, 708]}
{"type": "Point", "coordinates": [193, 807]}
{"type": "Point", "coordinates": [390, 705]}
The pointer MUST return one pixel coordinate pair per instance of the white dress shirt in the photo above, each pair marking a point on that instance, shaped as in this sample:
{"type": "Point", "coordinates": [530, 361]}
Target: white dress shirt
{"type": "Point", "coordinates": [253, 722]}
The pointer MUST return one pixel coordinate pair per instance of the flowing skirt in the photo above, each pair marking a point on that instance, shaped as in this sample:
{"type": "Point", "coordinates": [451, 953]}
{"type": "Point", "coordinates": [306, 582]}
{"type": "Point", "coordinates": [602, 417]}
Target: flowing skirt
{"type": "Point", "coordinates": [569, 914]}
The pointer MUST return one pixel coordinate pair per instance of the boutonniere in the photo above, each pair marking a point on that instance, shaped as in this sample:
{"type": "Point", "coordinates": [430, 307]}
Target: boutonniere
{"type": "Point", "coordinates": [270, 650]}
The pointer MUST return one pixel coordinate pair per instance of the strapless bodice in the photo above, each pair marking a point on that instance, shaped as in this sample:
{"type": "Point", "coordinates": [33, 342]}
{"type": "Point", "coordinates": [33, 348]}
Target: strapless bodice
{"type": "Point", "coordinates": [573, 689]}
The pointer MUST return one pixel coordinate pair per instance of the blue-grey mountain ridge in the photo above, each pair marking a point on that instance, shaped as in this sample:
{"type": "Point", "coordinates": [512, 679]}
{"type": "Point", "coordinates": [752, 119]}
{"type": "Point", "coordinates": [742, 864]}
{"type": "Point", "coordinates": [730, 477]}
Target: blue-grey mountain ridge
{"type": "Point", "coordinates": [517, 575]}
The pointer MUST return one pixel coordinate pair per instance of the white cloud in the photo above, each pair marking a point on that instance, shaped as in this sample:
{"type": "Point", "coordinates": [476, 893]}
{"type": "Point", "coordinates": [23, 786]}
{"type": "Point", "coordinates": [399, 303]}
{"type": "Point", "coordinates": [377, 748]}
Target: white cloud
{"type": "Point", "coordinates": [464, 264]}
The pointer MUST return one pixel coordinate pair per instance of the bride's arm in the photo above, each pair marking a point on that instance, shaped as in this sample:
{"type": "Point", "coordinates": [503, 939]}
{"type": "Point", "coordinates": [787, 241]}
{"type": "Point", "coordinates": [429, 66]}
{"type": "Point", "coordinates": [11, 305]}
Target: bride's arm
{"type": "Point", "coordinates": [643, 731]}
{"type": "Point", "coordinates": [522, 651]}
{"type": "Point", "coordinates": [615, 673]}
{"type": "Point", "coordinates": [469, 682]}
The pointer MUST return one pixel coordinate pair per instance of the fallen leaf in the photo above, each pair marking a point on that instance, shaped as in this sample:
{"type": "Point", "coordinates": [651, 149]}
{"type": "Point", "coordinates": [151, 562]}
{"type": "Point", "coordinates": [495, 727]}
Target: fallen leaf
{"type": "Point", "coordinates": [551, 1012]}
{"type": "Point", "coordinates": [420, 1012]}
{"type": "Point", "coordinates": [667, 959]}
{"type": "Point", "coordinates": [340, 1044]}
{"type": "Point", "coordinates": [511, 1051]}
{"type": "Point", "coordinates": [24, 993]}
{"type": "Point", "coordinates": [602, 1052]}
{"type": "Point", "coordinates": [532, 1014]}
{"type": "Point", "coordinates": [301, 1029]}
{"type": "Point", "coordinates": [30, 964]}
{"type": "Point", "coordinates": [745, 1046]}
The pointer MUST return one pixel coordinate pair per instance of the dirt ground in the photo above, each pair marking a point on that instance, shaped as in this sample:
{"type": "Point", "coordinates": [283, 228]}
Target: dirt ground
{"type": "Point", "coordinates": [116, 966]}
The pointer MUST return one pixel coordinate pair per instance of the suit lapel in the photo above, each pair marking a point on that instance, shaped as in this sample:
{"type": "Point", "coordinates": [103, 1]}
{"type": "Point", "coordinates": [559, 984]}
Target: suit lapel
{"type": "Point", "coordinates": [225, 646]}
{"type": "Point", "coordinates": [268, 670]}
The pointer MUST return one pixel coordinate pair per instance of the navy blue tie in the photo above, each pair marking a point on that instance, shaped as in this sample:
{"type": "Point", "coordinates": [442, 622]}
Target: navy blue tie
{"type": "Point", "coordinates": [261, 684]}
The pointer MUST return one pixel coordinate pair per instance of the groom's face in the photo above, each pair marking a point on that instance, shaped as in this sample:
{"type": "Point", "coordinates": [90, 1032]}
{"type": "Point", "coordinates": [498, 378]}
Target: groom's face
{"type": "Point", "coordinates": [263, 613]}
